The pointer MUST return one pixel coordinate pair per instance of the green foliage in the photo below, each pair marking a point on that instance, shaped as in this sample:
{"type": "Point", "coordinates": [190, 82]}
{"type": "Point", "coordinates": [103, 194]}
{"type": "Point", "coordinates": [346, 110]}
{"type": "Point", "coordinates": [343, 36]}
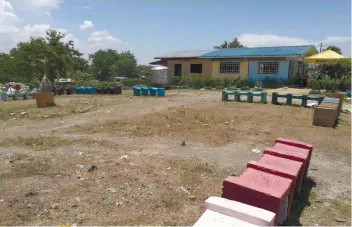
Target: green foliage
{"type": "Point", "coordinates": [207, 82]}
{"type": "Point", "coordinates": [107, 64]}
{"type": "Point", "coordinates": [313, 83]}
{"type": "Point", "coordinates": [233, 44]}
{"type": "Point", "coordinates": [258, 84]}
{"type": "Point", "coordinates": [330, 83]}
{"type": "Point", "coordinates": [334, 48]}
{"type": "Point", "coordinates": [28, 61]}
{"type": "Point", "coordinates": [135, 81]}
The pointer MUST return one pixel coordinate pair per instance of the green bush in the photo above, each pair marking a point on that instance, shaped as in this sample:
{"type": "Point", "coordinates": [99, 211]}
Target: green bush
{"type": "Point", "coordinates": [135, 82]}
{"type": "Point", "coordinates": [313, 83]}
{"type": "Point", "coordinates": [258, 84]}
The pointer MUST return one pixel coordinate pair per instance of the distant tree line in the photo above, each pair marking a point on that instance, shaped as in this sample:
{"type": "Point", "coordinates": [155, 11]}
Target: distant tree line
{"type": "Point", "coordinates": [27, 61]}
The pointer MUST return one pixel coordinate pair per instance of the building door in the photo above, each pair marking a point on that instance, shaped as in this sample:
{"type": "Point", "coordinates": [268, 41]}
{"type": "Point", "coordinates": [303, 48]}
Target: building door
{"type": "Point", "coordinates": [178, 70]}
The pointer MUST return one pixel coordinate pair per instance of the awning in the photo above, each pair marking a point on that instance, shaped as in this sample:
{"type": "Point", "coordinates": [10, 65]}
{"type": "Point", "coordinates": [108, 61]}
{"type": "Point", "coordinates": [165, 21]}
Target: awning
{"type": "Point", "coordinates": [326, 57]}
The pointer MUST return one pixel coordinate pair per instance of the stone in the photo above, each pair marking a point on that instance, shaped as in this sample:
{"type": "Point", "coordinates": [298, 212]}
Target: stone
{"type": "Point", "coordinates": [12, 114]}
{"type": "Point", "coordinates": [23, 113]}
{"type": "Point", "coordinates": [92, 168]}
{"type": "Point", "coordinates": [124, 158]}
{"type": "Point", "coordinates": [112, 190]}
{"type": "Point", "coordinates": [185, 190]}
{"type": "Point", "coordinates": [191, 197]}
{"type": "Point", "coordinates": [183, 143]}
{"type": "Point", "coordinates": [226, 123]}
{"type": "Point", "coordinates": [338, 218]}
{"type": "Point", "coordinates": [55, 206]}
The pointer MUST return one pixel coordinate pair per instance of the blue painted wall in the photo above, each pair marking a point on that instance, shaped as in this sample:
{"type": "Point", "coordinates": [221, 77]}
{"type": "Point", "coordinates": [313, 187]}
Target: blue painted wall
{"type": "Point", "coordinates": [253, 75]}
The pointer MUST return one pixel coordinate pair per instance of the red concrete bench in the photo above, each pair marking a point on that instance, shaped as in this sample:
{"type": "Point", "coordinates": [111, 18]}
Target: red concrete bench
{"type": "Point", "coordinates": [260, 189]}
{"type": "Point", "coordinates": [293, 145]}
{"type": "Point", "coordinates": [281, 167]}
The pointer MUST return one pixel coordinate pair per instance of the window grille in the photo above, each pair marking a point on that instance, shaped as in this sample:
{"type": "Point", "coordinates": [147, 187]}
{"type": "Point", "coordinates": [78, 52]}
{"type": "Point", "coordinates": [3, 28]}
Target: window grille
{"type": "Point", "coordinates": [269, 67]}
{"type": "Point", "coordinates": [229, 67]}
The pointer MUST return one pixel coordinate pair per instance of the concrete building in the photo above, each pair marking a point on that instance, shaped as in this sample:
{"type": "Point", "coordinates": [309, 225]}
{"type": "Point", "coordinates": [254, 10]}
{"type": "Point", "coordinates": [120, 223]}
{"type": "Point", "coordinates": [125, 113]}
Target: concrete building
{"type": "Point", "coordinates": [255, 64]}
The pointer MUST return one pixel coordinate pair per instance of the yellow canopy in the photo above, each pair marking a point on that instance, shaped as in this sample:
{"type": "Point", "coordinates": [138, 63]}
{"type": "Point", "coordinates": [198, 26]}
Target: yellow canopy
{"type": "Point", "coordinates": [326, 57]}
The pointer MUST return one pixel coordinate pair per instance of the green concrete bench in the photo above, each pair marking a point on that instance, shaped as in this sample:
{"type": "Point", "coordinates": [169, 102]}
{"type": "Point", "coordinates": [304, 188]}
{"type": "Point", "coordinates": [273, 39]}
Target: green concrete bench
{"type": "Point", "coordinates": [249, 94]}
{"type": "Point", "coordinates": [290, 97]}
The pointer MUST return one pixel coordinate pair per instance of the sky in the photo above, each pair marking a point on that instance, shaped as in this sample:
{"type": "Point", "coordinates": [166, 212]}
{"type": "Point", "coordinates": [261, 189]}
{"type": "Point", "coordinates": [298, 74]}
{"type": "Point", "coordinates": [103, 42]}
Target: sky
{"type": "Point", "coordinates": [153, 27]}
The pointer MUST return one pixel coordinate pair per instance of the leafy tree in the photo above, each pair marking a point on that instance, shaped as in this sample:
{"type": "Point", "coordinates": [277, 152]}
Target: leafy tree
{"type": "Point", "coordinates": [144, 70]}
{"type": "Point", "coordinates": [233, 44]}
{"type": "Point", "coordinates": [106, 64]}
{"type": "Point", "coordinates": [334, 48]}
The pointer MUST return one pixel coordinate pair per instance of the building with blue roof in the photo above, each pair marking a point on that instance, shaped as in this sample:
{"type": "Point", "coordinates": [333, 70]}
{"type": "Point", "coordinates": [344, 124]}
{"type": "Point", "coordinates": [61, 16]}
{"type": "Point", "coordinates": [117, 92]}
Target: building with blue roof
{"type": "Point", "coordinates": [255, 64]}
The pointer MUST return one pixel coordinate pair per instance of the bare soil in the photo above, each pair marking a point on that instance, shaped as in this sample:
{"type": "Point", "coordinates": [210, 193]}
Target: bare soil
{"type": "Point", "coordinates": [153, 161]}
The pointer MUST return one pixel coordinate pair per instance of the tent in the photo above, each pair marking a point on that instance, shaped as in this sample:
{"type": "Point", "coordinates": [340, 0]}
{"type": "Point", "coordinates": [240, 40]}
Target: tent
{"type": "Point", "coordinates": [326, 57]}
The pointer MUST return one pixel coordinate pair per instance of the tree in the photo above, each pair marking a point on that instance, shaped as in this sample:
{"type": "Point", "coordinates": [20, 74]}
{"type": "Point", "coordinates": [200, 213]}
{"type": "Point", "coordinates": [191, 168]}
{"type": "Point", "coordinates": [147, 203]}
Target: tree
{"type": "Point", "coordinates": [144, 70]}
{"type": "Point", "coordinates": [61, 59]}
{"type": "Point", "coordinates": [106, 64]}
{"type": "Point", "coordinates": [334, 48]}
{"type": "Point", "coordinates": [233, 44]}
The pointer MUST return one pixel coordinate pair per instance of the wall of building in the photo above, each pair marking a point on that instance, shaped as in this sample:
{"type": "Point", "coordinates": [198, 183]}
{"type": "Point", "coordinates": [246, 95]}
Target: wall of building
{"type": "Point", "coordinates": [186, 67]}
{"type": "Point", "coordinates": [243, 70]}
{"type": "Point", "coordinates": [253, 75]}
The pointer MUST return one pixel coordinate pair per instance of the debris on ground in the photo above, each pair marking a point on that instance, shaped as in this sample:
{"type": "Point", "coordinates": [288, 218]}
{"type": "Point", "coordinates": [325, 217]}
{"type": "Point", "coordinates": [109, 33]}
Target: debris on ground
{"type": "Point", "coordinates": [23, 113]}
{"type": "Point", "coordinates": [185, 190]}
{"type": "Point", "coordinates": [183, 143]}
{"type": "Point", "coordinates": [112, 190]}
{"type": "Point", "coordinates": [339, 218]}
{"type": "Point", "coordinates": [92, 168]}
{"type": "Point", "coordinates": [124, 158]}
{"type": "Point", "coordinates": [347, 109]}
{"type": "Point", "coordinates": [257, 151]}
{"type": "Point", "coordinates": [191, 197]}
{"type": "Point", "coordinates": [12, 114]}
{"type": "Point", "coordinates": [55, 206]}
{"type": "Point", "coordinates": [226, 123]}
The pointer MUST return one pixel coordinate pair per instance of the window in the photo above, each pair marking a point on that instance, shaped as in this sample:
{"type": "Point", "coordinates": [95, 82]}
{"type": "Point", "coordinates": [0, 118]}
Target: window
{"type": "Point", "coordinates": [269, 67]}
{"type": "Point", "coordinates": [178, 70]}
{"type": "Point", "coordinates": [196, 68]}
{"type": "Point", "coordinates": [229, 67]}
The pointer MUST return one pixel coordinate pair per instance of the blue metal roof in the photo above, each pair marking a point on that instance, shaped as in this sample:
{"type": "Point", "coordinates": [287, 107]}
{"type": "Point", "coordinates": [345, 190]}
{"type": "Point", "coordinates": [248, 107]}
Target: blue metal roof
{"type": "Point", "coordinates": [282, 51]}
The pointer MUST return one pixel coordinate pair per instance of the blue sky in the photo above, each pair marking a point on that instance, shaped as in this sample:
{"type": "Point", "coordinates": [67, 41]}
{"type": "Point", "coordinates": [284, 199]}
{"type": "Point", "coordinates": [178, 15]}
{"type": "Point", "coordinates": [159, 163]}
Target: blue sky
{"type": "Point", "coordinates": [150, 28]}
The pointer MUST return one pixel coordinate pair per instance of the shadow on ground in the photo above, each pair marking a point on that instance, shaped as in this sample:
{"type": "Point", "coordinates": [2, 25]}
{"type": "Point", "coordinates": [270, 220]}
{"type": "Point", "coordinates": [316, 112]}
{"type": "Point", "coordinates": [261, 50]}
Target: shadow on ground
{"type": "Point", "coordinates": [300, 203]}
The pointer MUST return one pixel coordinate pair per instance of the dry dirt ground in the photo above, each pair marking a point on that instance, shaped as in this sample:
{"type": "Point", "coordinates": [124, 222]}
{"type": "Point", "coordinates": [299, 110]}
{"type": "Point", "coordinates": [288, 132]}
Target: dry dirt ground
{"type": "Point", "coordinates": [124, 160]}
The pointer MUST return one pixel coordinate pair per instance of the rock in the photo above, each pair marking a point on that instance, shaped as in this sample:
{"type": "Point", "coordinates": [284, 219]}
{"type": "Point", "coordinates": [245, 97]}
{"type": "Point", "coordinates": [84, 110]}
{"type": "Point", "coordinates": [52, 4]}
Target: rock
{"type": "Point", "coordinates": [12, 114]}
{"type": "Point", "coordinates": [77, 199]}
{"type": "Point", "coordinates": [80, 166]}
{"type": "Point", "coordinates": [338, 218]}
{"type": "Point", "coordinates": [23, 113]}
{"type": "Point", "coordinates": [119, 204]}
{"type": "Point", "coordinates": [29, 205]}
{"type": "Point", "coordinates": [191, 197]}
{"type": "Point", "coordinates": [185, 190]}
{"type": "Point", "coordinates": [124, 158]}
{"type": "Point", "coordinates": [46, 116]}
{"type": "Point", "coordinates": [168, 126]}
{"type": "Point", "coordinates": [107, 112]}
{"type": "Point", "coordinates": [168, 168]}
{"type": "Point", "coordinates": [30, 194]}
{"type": "Point", "coordinates": [233, 174]}
{"type": "Point", "coordinates": [316, 169]}
{"type": "Point", "coordinates": [226, 123]}
{"type": "Point", "coordinates": [92, 168]}
{"type": "Point", "coordinates": [183, 143]}
{"type": "Point", "coordinates": [55, 206]}
{"type": "Point", "coordinates": [81, 153]}
{"type": "Point", "coordinates": [112, 190]}
{"type": "Point", "coordinates": [74, 206]}
{"type": "Point", "coordinates": [13, 118]}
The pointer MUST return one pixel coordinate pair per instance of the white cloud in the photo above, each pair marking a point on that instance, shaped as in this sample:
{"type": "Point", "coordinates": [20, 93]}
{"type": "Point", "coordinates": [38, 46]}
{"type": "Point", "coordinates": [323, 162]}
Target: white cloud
{"type": "Point", "coordinates": [15, 26]}
{"type": "Point", "coordinates": [87, 7]}
{"type": "Point", "coordinates": [87, 25]}
{"type": "Point", "coordinates": [43, 3]}
{"type": "Point", "coordinates": [7, 13]}
{"type": "Point", "coordinates": [103, 36]}
{"type": "Point", "coordinates": [256, 40]}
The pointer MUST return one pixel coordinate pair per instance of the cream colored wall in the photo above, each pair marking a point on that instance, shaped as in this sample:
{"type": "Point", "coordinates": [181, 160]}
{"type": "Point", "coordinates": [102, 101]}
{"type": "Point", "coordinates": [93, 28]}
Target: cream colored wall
{"type": "Point", "coordinates": [243, 70]}
{"type": "Point", "coordinates": [186, 67]}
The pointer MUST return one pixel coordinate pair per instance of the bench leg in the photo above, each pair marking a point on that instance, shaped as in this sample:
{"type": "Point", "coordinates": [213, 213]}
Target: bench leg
{"type": "Point", "coordinates": [237, 98]}
{"type": "Point", "coordinates": [249, 98]}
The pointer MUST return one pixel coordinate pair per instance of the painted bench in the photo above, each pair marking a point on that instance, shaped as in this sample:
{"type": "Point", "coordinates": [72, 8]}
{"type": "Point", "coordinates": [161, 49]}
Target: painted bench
{"type": "Point", "coordinates": [290, 97]}
{"type": "Point", "coordinates": [249, 94]}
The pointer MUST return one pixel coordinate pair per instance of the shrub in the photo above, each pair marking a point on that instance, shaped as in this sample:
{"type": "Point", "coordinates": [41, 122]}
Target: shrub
{"type": "Point", "coordinates": [313, 83]}
{"type": "Point", "coordinates": [258, 84]}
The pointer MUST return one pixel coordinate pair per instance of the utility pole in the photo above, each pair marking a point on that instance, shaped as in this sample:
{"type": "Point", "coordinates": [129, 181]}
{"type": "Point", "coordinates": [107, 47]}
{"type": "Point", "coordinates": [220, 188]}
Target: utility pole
{"type": "Point", "coordinates": [321, 46]}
